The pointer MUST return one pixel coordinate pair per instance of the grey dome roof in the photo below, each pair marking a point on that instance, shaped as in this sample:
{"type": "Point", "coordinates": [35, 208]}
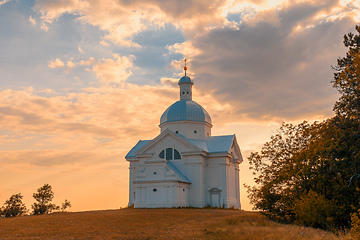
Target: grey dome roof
{"type": "Point", "coordinates": [185, 110]}
{"type": "Point", "coordinates": [185, 79]}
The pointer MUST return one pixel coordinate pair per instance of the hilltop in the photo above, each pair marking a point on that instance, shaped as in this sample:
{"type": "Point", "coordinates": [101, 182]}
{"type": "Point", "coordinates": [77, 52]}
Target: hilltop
{"type": "Point", "coordinates": [155, 224]}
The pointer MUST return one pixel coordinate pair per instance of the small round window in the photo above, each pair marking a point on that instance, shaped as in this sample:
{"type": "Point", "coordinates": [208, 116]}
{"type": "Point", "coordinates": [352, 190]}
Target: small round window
{"type": "Point", "coordinates": [154, 190]}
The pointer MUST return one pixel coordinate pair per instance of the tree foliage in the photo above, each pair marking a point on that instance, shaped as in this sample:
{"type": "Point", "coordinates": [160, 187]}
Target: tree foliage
{"type": "Point", "coordinates": [355, 225]}
{"type": "Point", "coordinates": [13, 206]}
{"type": "Point", "coordinates": [305, 167]}
{"type": "Point", "coordinates": [66, 204]}
{"type": "Point", "coordinates": [44, 196]}
{"type": "Point", "coordinates": [276, 167]}
{"type": "Point", "coordinates": [322, 158]}
{"type": "Point", "coordinates": [313, 209]}
{"type": "Point", "coordinates": [347, 77]}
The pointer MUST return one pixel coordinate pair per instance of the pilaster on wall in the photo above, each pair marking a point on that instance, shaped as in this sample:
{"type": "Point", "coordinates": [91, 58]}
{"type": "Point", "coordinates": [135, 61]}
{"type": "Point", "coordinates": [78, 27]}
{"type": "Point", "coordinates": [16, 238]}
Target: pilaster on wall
{"type": "Point", "coordinates": [195, 165]}
{"type": "Point", "coordinates": [132, 169]}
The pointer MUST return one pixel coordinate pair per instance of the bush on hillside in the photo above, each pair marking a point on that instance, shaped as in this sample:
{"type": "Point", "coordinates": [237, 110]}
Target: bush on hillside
{"type": "Point", "coordinates": [13, 206]}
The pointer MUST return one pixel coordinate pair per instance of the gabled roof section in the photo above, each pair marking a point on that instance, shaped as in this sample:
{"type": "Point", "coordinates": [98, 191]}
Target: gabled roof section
{"type": "Point", "coordinates": [164, 134]}
{"type": "Point", "coordinates": [200, 144]}
{"type": "Point", "coordinates": [139, 145]}
{"type": "Point", "coordinates": [177, 172]}
{"type": "Point", "coordinates": [219, 144]}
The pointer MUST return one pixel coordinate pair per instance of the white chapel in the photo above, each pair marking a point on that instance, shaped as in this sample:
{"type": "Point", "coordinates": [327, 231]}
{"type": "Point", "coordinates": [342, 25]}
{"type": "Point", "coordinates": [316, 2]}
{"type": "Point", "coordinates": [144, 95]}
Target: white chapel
{"type": "Point", "coordinates": [184, 166]}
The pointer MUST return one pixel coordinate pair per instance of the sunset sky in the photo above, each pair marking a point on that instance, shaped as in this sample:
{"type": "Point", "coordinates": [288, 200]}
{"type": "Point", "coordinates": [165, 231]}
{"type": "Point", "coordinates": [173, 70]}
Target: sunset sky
{"type": "Point", "coordinates": [83, 80]}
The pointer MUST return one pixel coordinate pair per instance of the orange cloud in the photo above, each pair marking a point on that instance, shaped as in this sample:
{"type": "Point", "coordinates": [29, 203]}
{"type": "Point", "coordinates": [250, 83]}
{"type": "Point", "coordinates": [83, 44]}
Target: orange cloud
{"type": "Point", "coordinates": [32, 20]}
{"type": "Point", "coordinates": [113, 71]}
{"type": "Point", "coordinates": [107, 71]}
{"type": "Point", "coordinates": [3, 2]}
{"type": "Point", "coordinates": [57, 63]}
{"type": "Point", "coordinates": [123, 19]}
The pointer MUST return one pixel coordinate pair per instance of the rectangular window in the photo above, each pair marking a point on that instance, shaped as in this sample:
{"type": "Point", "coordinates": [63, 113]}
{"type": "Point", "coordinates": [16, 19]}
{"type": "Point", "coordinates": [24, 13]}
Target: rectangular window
{"type": "Point", "coordinates": [169, 154]}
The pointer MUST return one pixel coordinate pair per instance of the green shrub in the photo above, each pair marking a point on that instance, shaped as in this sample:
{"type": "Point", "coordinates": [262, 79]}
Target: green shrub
{"type": "Point", "coordinates": [314, 210]}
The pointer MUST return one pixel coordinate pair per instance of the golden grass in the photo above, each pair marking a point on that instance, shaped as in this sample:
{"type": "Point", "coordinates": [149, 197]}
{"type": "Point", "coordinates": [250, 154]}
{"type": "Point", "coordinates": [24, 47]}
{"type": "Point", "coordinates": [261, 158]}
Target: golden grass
{"type": "Point", "coordinates": [155, 224]}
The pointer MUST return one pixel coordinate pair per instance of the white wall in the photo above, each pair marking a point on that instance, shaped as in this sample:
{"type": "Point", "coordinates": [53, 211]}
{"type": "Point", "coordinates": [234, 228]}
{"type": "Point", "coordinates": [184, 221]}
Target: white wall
{"type": "Point", "coordinates": [187, 128]}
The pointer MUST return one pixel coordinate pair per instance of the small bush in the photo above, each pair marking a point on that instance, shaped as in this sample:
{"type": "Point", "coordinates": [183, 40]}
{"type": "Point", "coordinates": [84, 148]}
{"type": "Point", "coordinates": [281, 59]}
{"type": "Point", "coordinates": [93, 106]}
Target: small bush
{"type": "Point", "coordinates": [13, 206]}
{"type": "Point", "coordinates": [314, 210]}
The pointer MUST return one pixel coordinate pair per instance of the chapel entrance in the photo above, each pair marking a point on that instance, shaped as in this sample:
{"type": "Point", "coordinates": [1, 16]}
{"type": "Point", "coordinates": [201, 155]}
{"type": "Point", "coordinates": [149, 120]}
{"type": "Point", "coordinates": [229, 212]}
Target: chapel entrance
{"type": "Point", "coordinates": [215, 195]}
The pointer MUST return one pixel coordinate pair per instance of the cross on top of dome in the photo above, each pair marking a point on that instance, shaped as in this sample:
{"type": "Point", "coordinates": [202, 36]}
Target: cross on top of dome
{"type": "Point", "coordinates": [185, 79]}
{"type": "Point", "coordinates": [185, 68]}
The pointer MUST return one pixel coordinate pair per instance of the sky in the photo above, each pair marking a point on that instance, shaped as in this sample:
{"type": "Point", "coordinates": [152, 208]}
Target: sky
{"type": "Point", "coordinates": [81, 81]}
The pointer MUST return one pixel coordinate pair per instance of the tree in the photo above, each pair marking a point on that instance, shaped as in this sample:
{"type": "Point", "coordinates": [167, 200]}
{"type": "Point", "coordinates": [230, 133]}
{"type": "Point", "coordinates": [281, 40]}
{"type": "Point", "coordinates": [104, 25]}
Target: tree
{"type": "Point", "coordinates": [322, 158]}
{"type": "Point", "coordinates": [279, 181]}
{"type": "Point", "coordinates": [347, 78]}
{"type": "Point", "coordinates": [13, 206]}
{"type": "Point", "coordinates": [66, 204]}
{"type": "Point", "coordinates": [44, 197]}
{"type": "Point", "coordinates": [306, 166]}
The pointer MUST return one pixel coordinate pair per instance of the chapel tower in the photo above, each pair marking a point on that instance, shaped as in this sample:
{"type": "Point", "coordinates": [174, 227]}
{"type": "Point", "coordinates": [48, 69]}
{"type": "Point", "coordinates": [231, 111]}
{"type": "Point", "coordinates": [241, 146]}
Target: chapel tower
{"type": "Point", "coordinates": [186, 117]}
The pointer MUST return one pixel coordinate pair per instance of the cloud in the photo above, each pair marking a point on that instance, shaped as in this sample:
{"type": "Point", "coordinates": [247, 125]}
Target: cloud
{"type": "Point", "coordinates": [185, 48]}
{"type": "Point", "coordinates": [57, 63]}
{"type": "Point", "coordinates": [32, 20]}
{"type": "Point", "coordinates": [173, 82]}
{"type": "Point", "coordinates": [70, 65]}
{"type": "Point", "coordinates": [3, 2]}
{"type": "Point", "coordinates": [76, 121]}
{"type": "Point", "coordinates": [94, 113]}
{"type": "Point", "coordinates": [121, 20]}
{"type": "Point", "coordinates": [113, 71]}
{"type": "Point", "coordinates": [47, 158]}
{"type": "Point", "coordinates": [108, 71]}
{"type": "Point", "coordinates": [267, 71]}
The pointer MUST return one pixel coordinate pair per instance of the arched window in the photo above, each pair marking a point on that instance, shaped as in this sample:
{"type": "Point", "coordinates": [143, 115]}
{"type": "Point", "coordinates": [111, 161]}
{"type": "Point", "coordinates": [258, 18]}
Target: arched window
{"type": "Point", "coordinates": [170, 154]}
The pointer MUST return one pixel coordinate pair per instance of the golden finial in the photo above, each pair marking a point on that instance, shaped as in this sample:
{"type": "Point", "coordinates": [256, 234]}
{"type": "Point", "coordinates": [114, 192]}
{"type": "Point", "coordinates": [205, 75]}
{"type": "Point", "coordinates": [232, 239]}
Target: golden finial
{"type": "Point", "coordinates": [185, 68]}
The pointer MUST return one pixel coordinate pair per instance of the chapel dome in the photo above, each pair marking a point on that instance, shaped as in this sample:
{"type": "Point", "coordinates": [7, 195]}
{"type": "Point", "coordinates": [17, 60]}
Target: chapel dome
{"type": "Point", "coordinates": [185, 110]}
{"type": "Point", "coordinates": [185, 79]}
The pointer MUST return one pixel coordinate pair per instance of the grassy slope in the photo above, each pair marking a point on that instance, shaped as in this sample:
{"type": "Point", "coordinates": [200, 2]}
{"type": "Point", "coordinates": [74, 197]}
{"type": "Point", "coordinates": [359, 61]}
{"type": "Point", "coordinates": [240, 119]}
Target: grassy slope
{"type": "Point", "coordinates": [154, 224]}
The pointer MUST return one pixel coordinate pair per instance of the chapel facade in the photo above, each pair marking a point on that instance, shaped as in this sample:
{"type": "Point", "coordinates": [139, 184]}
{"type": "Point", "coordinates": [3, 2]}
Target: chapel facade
{"type": "Point", "coordinates": [185, 166]}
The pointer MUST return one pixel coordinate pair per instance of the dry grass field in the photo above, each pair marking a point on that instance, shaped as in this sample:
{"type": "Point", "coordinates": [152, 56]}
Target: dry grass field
{"type": "Point", "coordinates": [155, 224]}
